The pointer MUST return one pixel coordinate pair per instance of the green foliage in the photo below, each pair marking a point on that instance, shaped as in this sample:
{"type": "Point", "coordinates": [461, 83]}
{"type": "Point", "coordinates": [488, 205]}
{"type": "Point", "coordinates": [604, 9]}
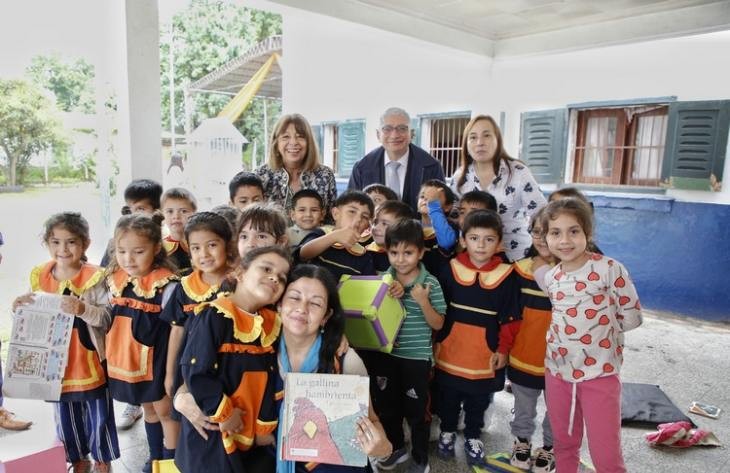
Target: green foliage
{"type": "Point", "coordinates": [28, 125]}
{"type": "Point", "coordinates": [207, 35]}
{"type": "Point", "coordinates": [71, 83]}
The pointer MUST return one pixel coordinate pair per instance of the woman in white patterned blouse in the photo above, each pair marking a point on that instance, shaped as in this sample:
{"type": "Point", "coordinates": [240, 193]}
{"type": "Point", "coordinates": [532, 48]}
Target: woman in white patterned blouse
{"type": "Point", "coordinates": [486, 166]}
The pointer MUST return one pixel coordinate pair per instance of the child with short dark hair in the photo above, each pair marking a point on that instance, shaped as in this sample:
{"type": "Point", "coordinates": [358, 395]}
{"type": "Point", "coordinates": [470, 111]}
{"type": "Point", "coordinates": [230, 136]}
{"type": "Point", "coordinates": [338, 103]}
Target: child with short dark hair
{"type": "Point", "coordinates": [178, 205]}
{"type": "Point", "coordinates": [307, 213]}
{"type": "Point", "coordinates": [435, 202]}
{"type": "Point", "coordinates": [380, 193]}
{"type": "Point", "coordinates": [471, 350]}
{"type": "Point", "coordinates": [245, 188]}
{"type": "Point", "coordinates": [337, 249]}
{"type": "Point", "coordinates": [403, 375]}
{"type": "Point", "coordinates": [143, 196]}
{"type": "Point", "coordinates": [386, 214]}
{"type": "Point", "coordinates": [259, 226]}
{"type": "Point", "coordinates": [475, 200]}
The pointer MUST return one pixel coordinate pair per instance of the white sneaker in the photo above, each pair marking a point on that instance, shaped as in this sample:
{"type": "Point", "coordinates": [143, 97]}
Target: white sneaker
{"type": "Point", "coordinates": [544, 461]}
{"type": "Point", "coordinates": [130, 415]}
{"type": "Point", "coordinates": [521, 455]}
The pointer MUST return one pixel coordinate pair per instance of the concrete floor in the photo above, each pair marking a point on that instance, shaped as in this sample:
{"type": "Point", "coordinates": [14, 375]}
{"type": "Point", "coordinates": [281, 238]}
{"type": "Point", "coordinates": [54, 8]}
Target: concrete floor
{"type": "Point", "coordinates": [688, 359]}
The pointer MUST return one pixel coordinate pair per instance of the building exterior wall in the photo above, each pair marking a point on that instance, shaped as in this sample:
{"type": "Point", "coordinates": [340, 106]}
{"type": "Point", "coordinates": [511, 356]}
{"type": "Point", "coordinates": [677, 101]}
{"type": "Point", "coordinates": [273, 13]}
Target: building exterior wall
{"type": "Point", "coordinates": [336, 70]}
{"type": "Point", "coordinates": [676, 243]}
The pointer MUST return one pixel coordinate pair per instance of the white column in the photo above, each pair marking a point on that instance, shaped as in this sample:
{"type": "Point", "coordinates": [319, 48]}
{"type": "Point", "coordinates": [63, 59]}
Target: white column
{"type": "Point", "coordinates": [143, 101]}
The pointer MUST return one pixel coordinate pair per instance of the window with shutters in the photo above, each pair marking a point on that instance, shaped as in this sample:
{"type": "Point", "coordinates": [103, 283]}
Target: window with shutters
{"type": "Point", "coordinates": [341, 144]}
{"type": "Point", "coordinates": [330, 144]}
{"type": "Point", "coordinates": [651, 143]}
{"type": "Point", "coordinates": [620, 146]}
{"type": "Point", "coordinates": [441, 135]}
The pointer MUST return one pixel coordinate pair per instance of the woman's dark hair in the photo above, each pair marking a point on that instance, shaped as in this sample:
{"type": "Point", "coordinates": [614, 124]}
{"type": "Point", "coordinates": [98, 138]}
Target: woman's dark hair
{"type": "Point", "coordinates": [148, 227]}
{"type": "Point", "coordinates": [72, 222]}
{"type": "Point", "coordinates": [229, 283]}
{"type": "Point", "coordinates": [335, 325]}
{"type": "Point", "coordinates": [214, 223]}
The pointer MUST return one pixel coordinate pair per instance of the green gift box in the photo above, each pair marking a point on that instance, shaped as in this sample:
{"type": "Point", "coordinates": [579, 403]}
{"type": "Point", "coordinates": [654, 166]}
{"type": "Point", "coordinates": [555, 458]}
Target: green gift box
{"type": "Point", "coordinates": [372, 316]}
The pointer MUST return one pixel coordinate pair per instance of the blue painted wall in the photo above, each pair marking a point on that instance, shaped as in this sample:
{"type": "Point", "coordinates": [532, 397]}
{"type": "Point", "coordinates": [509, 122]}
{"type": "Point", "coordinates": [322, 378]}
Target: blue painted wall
{"type": "Point", "coordinates": [678, 253]}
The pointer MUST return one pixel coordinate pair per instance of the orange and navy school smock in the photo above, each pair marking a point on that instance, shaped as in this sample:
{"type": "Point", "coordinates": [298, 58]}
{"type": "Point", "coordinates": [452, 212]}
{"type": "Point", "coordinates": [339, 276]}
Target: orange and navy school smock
{"type": "Point", "coordinates": [229, 362]}
{"type": "Point", "coordinates": [482, 303]}
{"type": "Point", "coordinates": [136, 345]}
{"type": "Point", "coordinates": [179, 253]}
{"type": "Point", "coordinates": [191, 292]}
{"type": "Point", "coordinates": [355, 261]}
{"type": "Point", "coordinates": [85, 377]}
{"type": "Point", "coordinates": [527, 357]}
{"type": "Point", "coordinates": [379, 256]}
{"type": "Point", "coordinates": [179, 310]}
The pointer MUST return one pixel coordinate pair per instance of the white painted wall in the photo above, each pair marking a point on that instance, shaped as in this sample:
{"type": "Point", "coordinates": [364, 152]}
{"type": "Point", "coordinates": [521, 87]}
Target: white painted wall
{"type": "Point", "coordinates": [691, 68]}
{"type": "Point", "coordinates": [336, 70]}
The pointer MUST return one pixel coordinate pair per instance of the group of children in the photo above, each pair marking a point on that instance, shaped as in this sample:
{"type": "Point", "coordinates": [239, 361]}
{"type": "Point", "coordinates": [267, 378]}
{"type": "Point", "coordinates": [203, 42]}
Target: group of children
{"type": "Point", "coordinates": [190, 308]}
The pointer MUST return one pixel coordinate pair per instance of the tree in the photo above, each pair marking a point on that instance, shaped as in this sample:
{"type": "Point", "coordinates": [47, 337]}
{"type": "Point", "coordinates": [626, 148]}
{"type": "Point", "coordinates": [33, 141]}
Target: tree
{"type": "Point", "coordinates": [28, 125]}
{"type": "Point", "coordinates": [207, 35]}
{"type": "Point", "coordinates": [71, 83]}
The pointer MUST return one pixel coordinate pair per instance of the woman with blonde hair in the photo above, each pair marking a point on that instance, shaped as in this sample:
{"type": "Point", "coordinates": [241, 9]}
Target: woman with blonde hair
{"type": "Point", "coordinates": [294, 164]}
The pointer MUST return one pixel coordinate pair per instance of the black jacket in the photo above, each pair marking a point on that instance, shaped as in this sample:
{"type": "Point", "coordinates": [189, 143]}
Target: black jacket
{"type": "Point", "coordinates": [421, 168]}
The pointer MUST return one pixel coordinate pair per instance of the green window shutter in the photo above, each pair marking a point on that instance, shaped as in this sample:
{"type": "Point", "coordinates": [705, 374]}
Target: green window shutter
{"type": "Point", "coordinates": [696, 144]}
{"type": "Point", "coordinates": [544, 136]}
{"type": "Point", "coordinates": [416, 131]}
{"type": "Point", "coordinates": [318, 132]}
{"type": "Point", "coordinates": [351, 145]}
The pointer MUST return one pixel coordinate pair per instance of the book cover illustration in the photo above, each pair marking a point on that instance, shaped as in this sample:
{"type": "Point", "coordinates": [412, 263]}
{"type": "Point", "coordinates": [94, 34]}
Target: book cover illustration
{"type": "Point", "coordinates": [320, 414]}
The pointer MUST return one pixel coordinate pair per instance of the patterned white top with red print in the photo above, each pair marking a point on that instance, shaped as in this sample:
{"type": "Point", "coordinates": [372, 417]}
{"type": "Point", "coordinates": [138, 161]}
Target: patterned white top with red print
{"type": "Point", "coordinates": [592, 307]}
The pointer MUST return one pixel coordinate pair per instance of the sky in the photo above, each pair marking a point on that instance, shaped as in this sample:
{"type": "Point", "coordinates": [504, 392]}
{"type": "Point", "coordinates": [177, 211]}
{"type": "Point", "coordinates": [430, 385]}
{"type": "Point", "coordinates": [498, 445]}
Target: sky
{"type": "Point", "coordinates": [86, 29]}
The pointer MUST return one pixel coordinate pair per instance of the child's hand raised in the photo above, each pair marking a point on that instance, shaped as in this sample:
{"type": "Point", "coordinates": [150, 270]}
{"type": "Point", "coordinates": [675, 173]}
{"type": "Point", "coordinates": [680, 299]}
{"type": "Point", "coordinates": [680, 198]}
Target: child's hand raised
{"type": "Point", "coordinates": [420, 293]}
{"type": "Point", "coordinates": [396, 290]}
{"type": "Point", "coordinates": [432, 193]}
{"type": "Point", "coordinates": [72, 305]}
{"type": "Point", "coordinates": [234, 424]}
{"type": "Point", "coordinates": [22, 300]}
{"type": "Point", "coordinates": [346, 236]}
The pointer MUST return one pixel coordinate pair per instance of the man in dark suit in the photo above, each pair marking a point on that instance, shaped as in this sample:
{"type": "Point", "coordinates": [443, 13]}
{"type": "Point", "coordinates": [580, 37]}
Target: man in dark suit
{"type": "Point", "coordinates": [397, 164]}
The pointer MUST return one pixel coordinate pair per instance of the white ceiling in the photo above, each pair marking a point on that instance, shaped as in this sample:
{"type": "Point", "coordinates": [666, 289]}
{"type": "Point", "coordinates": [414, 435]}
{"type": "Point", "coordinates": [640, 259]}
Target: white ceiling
{"type": "Point", "coordinates": [501, 28]}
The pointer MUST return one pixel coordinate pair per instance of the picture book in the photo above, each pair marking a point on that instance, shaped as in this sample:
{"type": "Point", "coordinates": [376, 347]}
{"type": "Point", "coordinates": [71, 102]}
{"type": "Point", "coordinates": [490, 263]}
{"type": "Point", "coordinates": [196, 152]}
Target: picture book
{"type": "Point", "coordinates": [320, 415]}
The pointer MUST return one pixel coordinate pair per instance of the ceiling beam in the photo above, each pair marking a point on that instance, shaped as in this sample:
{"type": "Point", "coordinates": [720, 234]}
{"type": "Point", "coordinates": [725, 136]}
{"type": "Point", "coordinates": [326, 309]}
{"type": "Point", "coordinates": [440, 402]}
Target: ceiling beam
{"type": "Point", "coordinates": [396, 22]}
{"type": "Point", "coordinates": [667, 24]}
